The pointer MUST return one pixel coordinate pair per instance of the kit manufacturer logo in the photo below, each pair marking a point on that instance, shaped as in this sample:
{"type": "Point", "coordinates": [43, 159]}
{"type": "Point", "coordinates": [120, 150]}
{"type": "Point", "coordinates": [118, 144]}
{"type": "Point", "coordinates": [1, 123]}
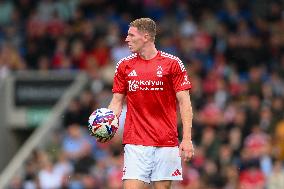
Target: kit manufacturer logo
{"type": "Point", "coordinates": [132, 73]}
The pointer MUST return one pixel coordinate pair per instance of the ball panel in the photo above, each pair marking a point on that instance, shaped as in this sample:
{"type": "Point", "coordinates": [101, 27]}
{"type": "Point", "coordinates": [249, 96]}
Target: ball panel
{"type": "Point", "coordinates": [103, 124]}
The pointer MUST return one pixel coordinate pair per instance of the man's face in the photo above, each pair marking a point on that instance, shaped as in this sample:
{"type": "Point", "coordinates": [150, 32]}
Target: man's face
{"type": "Point", "coordinates": [135, 39]}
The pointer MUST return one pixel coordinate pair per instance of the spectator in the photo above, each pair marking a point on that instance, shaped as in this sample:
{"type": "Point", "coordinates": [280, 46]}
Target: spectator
{"type": "Point", "coordinates": [252, 178]}
{"type": "Point", "coordinates": [276, 179]}
{"type": "Point", "coordinates": [48, 177]}
{"type": "Point", "coordinates": [77, 148]}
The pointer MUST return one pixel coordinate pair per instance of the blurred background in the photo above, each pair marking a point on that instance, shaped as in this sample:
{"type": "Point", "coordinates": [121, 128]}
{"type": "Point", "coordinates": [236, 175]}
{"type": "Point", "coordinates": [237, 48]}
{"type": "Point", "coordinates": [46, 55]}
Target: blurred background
{"type": "Point", "coordinates": [57, 61]}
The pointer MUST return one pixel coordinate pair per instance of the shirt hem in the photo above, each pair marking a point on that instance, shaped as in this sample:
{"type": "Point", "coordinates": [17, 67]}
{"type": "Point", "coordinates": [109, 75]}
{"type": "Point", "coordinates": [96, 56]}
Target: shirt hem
{"type": "Point", "coordinates": [154, 145]}
{"type": "Point", "coordinates": [120, 92]}
{"type": "Point", "coordinates": [188, 88]}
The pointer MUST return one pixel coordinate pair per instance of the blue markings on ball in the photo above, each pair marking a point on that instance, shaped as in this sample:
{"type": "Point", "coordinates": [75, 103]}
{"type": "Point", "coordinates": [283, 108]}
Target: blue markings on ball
{"type": "Point", "coordinates": [104, 118]}
{"type": "Point", "coordinates": [109, 130]}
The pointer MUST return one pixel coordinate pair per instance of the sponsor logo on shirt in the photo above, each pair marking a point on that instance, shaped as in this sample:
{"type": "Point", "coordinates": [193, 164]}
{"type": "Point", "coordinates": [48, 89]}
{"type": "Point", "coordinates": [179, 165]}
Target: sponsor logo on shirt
{"type": "Point", "coordinates": [186, 82]}
{"type": "Point", "coordinates": [148, 85]}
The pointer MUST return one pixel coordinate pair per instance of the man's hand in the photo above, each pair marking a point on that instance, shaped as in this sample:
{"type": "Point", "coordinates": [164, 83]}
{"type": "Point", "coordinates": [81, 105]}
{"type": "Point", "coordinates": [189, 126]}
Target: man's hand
{"type": "Point", "coordinates": [186, 150]}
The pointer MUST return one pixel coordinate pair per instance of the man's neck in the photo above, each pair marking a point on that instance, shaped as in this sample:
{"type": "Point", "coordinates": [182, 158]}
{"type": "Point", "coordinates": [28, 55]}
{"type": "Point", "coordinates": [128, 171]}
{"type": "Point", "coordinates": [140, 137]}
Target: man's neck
{"type": "Point", "coordinates": [148, 52]}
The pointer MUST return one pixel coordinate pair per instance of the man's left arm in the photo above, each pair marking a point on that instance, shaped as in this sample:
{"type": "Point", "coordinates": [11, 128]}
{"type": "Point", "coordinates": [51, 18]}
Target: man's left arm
{"type": "Point", "coordinates": [186, 146]}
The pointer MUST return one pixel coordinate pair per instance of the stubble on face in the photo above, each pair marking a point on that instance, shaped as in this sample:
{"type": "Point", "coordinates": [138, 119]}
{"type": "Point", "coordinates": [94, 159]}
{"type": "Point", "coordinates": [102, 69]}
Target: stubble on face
{"type": "Point", "coordinates": [134, 40]}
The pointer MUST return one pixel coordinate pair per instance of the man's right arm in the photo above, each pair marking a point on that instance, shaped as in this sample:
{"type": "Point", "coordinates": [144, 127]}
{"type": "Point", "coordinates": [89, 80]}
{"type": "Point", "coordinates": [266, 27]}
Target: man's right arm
{"type": "Point", "coordinates": [117, 103]}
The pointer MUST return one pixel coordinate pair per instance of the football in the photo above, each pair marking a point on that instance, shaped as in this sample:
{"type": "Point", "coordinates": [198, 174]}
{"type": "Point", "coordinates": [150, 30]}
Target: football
{"type": "Point", "coordinates": [103, 124]}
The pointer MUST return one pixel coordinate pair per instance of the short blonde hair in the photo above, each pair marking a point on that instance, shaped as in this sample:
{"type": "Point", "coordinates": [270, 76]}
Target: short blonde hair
{"type": "Point", "coordinates": [146, 25]}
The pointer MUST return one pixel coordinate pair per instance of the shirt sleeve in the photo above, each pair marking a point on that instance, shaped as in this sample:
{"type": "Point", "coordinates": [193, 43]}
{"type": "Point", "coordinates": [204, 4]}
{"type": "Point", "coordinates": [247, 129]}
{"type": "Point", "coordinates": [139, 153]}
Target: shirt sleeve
{"type": "Point", "coordinates": [180, 77]}
{"type": "Point", "coordinates": [119, 81]}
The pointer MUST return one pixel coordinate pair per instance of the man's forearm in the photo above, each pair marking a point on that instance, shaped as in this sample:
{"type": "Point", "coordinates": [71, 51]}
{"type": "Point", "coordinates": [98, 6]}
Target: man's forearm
{"type": "Point", "coordinates": [186, 114]}
{"type": "Point", "coordinates": [186, 117]}
{"type": "Point", "coordinates": [116, 104]}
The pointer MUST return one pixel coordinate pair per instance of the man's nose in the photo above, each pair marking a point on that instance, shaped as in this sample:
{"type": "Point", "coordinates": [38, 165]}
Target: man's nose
{"type": "Point", "coordinates": [126, 39]}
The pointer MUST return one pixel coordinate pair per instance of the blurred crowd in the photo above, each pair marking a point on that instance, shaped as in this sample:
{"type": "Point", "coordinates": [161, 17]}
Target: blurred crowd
{"type": "Point", "coordinates": [234, 54]}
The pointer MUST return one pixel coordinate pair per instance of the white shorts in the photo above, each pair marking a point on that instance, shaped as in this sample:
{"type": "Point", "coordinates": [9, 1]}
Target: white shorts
{"type": "Point", "coordinates": [148, 163]}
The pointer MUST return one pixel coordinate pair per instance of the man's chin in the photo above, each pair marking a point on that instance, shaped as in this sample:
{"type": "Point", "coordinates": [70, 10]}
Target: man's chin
{"type": "Point", "coordinates": [133, 51]}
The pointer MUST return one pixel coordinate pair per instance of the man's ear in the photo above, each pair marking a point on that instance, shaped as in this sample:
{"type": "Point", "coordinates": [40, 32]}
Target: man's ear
{"type": "Point", "coordinates": [147, 37]}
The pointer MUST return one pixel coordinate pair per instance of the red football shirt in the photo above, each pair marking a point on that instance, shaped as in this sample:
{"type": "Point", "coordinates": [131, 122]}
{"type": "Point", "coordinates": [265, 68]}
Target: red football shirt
{"type": "Point", "coordinates": [150, 87]}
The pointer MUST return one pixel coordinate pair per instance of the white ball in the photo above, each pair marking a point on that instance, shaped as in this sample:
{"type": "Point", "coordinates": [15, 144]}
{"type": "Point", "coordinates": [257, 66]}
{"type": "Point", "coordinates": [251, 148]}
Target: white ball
{"type": "Point", "coordinates": [103, 124]}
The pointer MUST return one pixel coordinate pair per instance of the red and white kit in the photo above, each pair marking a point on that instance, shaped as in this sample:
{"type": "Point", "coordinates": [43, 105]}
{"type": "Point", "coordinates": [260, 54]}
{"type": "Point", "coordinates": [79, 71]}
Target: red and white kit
{"type": "Point", "coordinates": [150, 131]}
